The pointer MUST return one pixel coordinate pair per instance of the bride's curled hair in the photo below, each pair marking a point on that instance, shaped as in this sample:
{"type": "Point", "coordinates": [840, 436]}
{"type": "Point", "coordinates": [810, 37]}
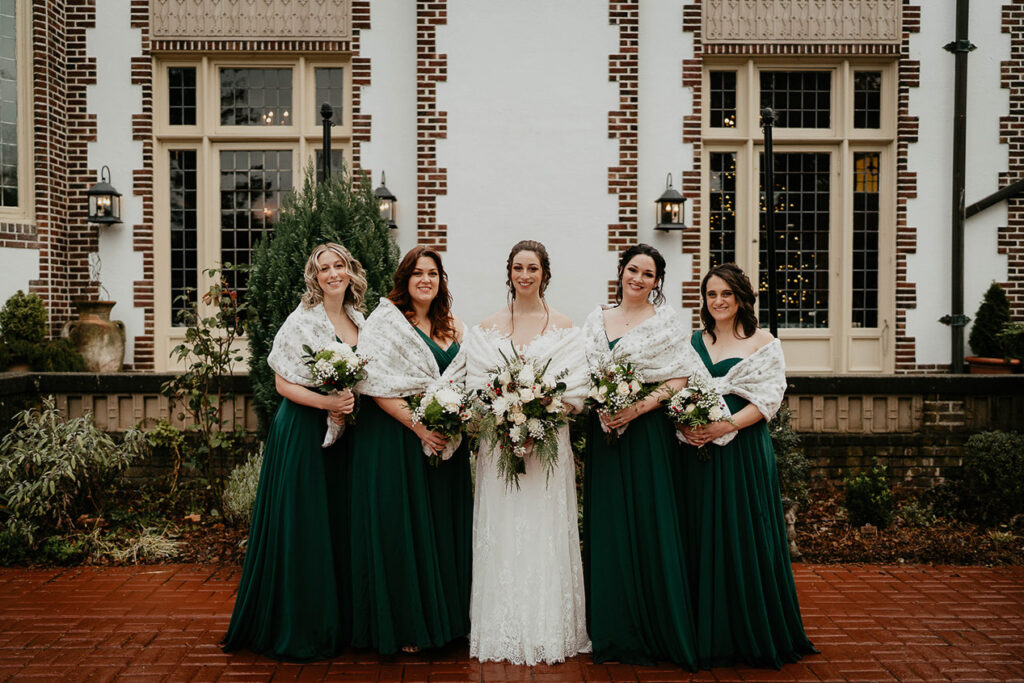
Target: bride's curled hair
{"type": "Point", "coordinates": [356, 290]}
{"type": "Point", "coordinates": [545, 266]}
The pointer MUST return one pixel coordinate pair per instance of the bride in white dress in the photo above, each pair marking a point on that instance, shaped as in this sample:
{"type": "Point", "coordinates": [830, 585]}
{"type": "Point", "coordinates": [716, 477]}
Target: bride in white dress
{"type": "Point", "coordinates": [527, 603]}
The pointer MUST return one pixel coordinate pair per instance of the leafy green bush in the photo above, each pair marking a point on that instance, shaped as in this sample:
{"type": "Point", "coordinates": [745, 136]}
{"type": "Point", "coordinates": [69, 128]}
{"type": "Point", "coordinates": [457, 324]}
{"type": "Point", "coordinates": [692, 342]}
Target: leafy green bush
{"type": "Point", "coordinates": [13, 548]}
{"type": "Point", "coordinates": [240, 491]}
{"type": "Point", "coordinates": [1011, 337]}
{"type": "Point", "coordinates": [23, 318]}
{"type": "Point", "coordinates": [342, 210]}
{"type": "Point", "coordinates": [62, 551]}
{"type": "Point", "coordinates": [993, 313]}
{"type": "Point", "coordinates": [793, 466]}
{"type": "Point", "coordinates": [53, 469]}
{"type": "Point", "coordinates": [57, 355]}
{"type": "Point", "coordinates": [991, 480]}
{"type": "Point", "coordinates": [869, 499]}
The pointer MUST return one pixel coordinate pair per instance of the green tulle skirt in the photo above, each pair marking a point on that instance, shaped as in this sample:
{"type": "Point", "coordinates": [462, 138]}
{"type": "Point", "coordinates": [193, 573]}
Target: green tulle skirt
{"type": "Point", "coordinates": [638, 595]}
{"type": "Point", "coordinates": [745, 602]}
{"type": "Point", "coordinates": [293, 599]}
{"type": "Point", "coordinates": [412, 527]}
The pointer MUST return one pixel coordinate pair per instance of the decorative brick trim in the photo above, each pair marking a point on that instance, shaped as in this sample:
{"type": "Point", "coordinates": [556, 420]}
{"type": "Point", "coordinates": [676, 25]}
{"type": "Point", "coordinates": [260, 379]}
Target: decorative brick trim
{"type": "Point", "coordinates": [360, 79]}
{"type": "Point", "coordinates": [63, 128]}
{"type": "Point", "coordinates": [143, 291]}
{"type": "Point", "coordinates": [1010, 238]}
{"type": "Point", "coordinates": [19, 236]}
{"type": "Point", "coordinates": [431, 124]}
{"type": "Point", "coordinates": [906, 189]}
{"type": "Point", "coordinates": [906, 133]}
{"type": "Point", "coordinates": [158, 46]}
{"type": "Point", "coordinates": [623, 123]}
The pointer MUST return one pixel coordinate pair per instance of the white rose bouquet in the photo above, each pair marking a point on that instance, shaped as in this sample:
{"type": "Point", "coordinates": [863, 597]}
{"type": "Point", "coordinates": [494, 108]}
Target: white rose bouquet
{"type": "Point", "coordinates": [614, 385]}
{"type": "Point", "coordinates": [696, 405]}
{"type": "Point", "coordinates": [520, 411]}
{"type": "Point", "coordinates": [335, 368]}
{"type": "Point", "coordinates": [444, 410]}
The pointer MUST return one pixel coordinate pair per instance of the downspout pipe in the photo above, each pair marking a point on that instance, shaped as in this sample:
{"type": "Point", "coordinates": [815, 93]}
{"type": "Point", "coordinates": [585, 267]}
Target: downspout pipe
{"type": "Point", "coordinates": [956, 319]}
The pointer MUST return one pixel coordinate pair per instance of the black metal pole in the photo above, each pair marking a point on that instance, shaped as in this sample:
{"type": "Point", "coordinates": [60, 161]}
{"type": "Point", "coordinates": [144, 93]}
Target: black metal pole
{"type": "Point", "coordinates": [957, 320]}
{"type": "Point", "coordinates": [767, 121]}
{"type": "Point", "coordinates": [326, 112]}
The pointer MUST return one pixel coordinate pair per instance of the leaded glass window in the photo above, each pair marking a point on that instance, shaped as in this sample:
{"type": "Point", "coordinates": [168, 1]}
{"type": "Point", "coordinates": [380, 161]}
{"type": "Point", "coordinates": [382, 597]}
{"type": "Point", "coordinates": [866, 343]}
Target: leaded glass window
{"type": "Point", "coordinates": [8, 104]}
{"type": "Point", "coordinates": [867, 99]}
{"type": "Point", "coordinates": [865, 239]}
{"type": "Point", "coordinates": [802, 181]}
{"type": "Point", "coordinates": [722, 208]}
{"type": "Point", "coordinates": [802, 99]}
{"type": "Point", "coordinates": [330, 88]}
{"type": "Point", "coordinates": [255, 97]}
{"type": "Point", "coordinates": [181, 95]}
{"type": "Point", "coordinates": [184, 210]}
{"type": "Point", "coordinates": [252, 186]}
{"type": "Point", "coordinates": [723, 99]}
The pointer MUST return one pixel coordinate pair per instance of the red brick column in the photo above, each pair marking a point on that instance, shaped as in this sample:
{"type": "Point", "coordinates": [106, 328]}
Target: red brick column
{"type": "Point", "coordinates": [623, 125]}
{"type": "Point", "coordinates": [431, 124]}
{"type": "Point", "coordinates": [1011, 133]}
{"type": "Point", "coordinates": [689, 184]}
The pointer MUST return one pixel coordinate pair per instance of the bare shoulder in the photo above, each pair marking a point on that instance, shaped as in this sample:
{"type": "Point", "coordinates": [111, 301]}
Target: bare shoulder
{"type": "Point", "coordinates": [460, 327]}
{"type": "Point", "coordinates": [560, 320]}
{"type": "Point", "coordinates": [762, 337]}
{"type": "Point", "coordinates": [499, 320]}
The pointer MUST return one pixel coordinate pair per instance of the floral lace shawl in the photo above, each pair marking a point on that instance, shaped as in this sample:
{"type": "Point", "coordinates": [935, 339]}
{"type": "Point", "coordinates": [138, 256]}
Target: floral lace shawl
{"type": "Point", "coordinates": [309, 326]}
{"type": "Point", "coordinates": [481, 353]}
{"type": "Point", "coordinates": [760, 378]}
{"type": "Point", "coordinates": [653, 346]}
{"type": "Point", "coordinates": [400, 362]}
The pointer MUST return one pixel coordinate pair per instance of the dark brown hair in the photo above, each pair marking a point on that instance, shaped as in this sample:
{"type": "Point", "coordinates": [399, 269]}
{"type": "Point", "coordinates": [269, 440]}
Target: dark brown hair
{"type": "Point", "coordinates": [739, 283]}
{"type": "Point", "coordinates": [659, 270]}
{"type": "Point", "coordinates": [440, 311]}
{"type": "Point", "coordinates": [545, 270]}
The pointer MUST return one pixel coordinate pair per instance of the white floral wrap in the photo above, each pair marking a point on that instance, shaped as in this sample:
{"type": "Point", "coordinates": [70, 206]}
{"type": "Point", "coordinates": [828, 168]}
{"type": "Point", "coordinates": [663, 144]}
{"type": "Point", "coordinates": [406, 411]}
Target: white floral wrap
{"type": "Point", "coordinates": [309, 326]}
{"type": "Point", "coordinates": [400, 362]}
{"type": "Point", "coordinates": [653, 346]}
{"type": "Point", "coordinates": [759, 378]}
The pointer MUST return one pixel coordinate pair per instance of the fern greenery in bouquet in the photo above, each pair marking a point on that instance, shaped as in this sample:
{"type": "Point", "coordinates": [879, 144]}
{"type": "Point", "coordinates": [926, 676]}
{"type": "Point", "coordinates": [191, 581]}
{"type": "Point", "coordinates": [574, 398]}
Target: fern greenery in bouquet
{"type": "Point", "coordinates": [616, 384]}
{"type": "Point", "coordinates": [444, 410]}
{"type": "Point", "coordinates": [521, 410]}
{"type": "Point", "coordinates": [335, 368]}
{"type": "Point", "coordinates": [696, 405]}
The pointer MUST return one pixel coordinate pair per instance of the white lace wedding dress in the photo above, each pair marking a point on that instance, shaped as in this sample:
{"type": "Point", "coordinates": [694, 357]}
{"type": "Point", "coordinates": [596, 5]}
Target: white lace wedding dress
{"type": "Point", "coordinates": [527, 603]}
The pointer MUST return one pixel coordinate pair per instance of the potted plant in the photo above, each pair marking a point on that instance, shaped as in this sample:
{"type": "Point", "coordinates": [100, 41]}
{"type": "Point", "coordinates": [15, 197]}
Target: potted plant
{"type": "Point", "coordinates": [990, 357]}
{"type": "Point", "coordinates": [24, 346]}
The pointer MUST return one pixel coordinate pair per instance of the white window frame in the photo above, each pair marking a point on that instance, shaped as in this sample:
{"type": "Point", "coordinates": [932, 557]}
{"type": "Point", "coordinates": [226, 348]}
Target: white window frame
{"type": "Point", "coordinates": [24, 212]}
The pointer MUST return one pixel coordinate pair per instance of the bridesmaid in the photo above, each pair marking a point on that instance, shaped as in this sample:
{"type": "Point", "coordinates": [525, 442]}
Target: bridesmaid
{"type": "Point", "coordinates": [293, 601]}
{"type": "Point", "coordinates": [411, 521]}
{"type": "Point", "coordinates": [745, 601]}
{"type": "Point", "coordinates": [638, 596]}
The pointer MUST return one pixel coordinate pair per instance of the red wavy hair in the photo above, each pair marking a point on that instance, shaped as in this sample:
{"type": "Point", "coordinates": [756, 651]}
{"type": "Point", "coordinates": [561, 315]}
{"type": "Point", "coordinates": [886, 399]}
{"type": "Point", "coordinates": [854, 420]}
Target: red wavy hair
{"type": "Point", "coordinates": [442, 326]}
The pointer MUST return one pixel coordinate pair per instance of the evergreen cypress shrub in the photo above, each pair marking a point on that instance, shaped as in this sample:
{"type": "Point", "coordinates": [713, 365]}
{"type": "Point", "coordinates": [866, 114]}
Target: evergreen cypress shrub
{"type": "Point", "coordinates": [993, 313]}
{"type": "Point", "coordinates": [23, 319]}
{"type": "Point", "coordinates": [342, 210]}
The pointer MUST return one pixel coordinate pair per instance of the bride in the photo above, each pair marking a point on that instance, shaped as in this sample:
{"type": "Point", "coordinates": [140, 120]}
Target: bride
{"type": "Point", "coordinates": [527, 601]}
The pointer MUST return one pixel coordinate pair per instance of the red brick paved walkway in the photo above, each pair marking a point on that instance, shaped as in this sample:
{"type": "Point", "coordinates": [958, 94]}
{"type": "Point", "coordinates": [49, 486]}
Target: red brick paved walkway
{"type": "Point", "coordinates": [162, 623]}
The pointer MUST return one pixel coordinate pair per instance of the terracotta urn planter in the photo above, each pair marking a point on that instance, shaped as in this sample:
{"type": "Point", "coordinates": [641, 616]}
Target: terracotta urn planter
{"type": "Point", "coordinates": [99, 339]}
{"type": "Point", "coordinates": [980, 365]}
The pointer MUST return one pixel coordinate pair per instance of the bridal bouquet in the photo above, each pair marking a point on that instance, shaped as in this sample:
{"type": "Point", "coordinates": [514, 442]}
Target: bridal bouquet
{"type": "Point", "coordinates": [614, 386]}
{"type": "Point", "coordinates": [335, 367]}
{"type": "Point", "coordinates": [444, 410]}
{"type": "Point", "coordinates": [521, 410]}
{"type": "Point", "coordinates": [696, 405]}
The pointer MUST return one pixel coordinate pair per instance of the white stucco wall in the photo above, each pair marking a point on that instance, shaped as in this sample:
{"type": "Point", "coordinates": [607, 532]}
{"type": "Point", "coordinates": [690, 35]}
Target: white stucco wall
{"type": "Point", "coordinates": [931, 158]}
{"type": "Point", "coordinates": [113, 100]}
{"type": "Point", "coordinates": [527, 150]}
{"type": "Point", "coordinates": [390, 101]}
{"type": "Point", "coordinates": [19, 266]}
{"type": "Point", "coordinates": [663, 103]}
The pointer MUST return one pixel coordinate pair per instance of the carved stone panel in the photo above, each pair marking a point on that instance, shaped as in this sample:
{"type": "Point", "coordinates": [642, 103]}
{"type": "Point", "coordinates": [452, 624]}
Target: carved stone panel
{"type": "Point", "coordinates": [250, 19]}
{"type": "Point", "coordinates": [802, 21]}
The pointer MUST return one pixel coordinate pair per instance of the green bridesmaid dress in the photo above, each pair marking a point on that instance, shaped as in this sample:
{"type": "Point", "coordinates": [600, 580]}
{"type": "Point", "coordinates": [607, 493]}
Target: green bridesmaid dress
{"type": "Point", "coordinates": [638, 596]}
{"type": "Point", "coordinates": [293, 599]}
{"type": "Point", "coordinates": [745, 601]}
{"type": "Point", "coordinates": [412, 527]}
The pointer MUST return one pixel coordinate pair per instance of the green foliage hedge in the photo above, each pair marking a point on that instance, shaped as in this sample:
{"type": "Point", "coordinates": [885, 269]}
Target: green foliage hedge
{"type": "Point", "coordinates": [868, 498]}
{"type": "Point", "coordinates": [990, 483]}
{"type": "Point", "coordinates": [342, 210]}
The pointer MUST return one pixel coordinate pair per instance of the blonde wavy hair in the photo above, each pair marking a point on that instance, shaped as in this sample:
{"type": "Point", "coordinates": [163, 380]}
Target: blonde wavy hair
{"type": "Point", "coordinates": [356, 289]}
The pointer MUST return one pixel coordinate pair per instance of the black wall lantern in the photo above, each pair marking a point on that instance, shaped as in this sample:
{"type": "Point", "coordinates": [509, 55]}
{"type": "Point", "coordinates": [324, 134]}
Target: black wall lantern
{"type": "Point", "coordinates": [670, 208]}
{"type": "Point", "coordinates": [104, 200]}
{"type": "Point", "coordinates": [387, 201]}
